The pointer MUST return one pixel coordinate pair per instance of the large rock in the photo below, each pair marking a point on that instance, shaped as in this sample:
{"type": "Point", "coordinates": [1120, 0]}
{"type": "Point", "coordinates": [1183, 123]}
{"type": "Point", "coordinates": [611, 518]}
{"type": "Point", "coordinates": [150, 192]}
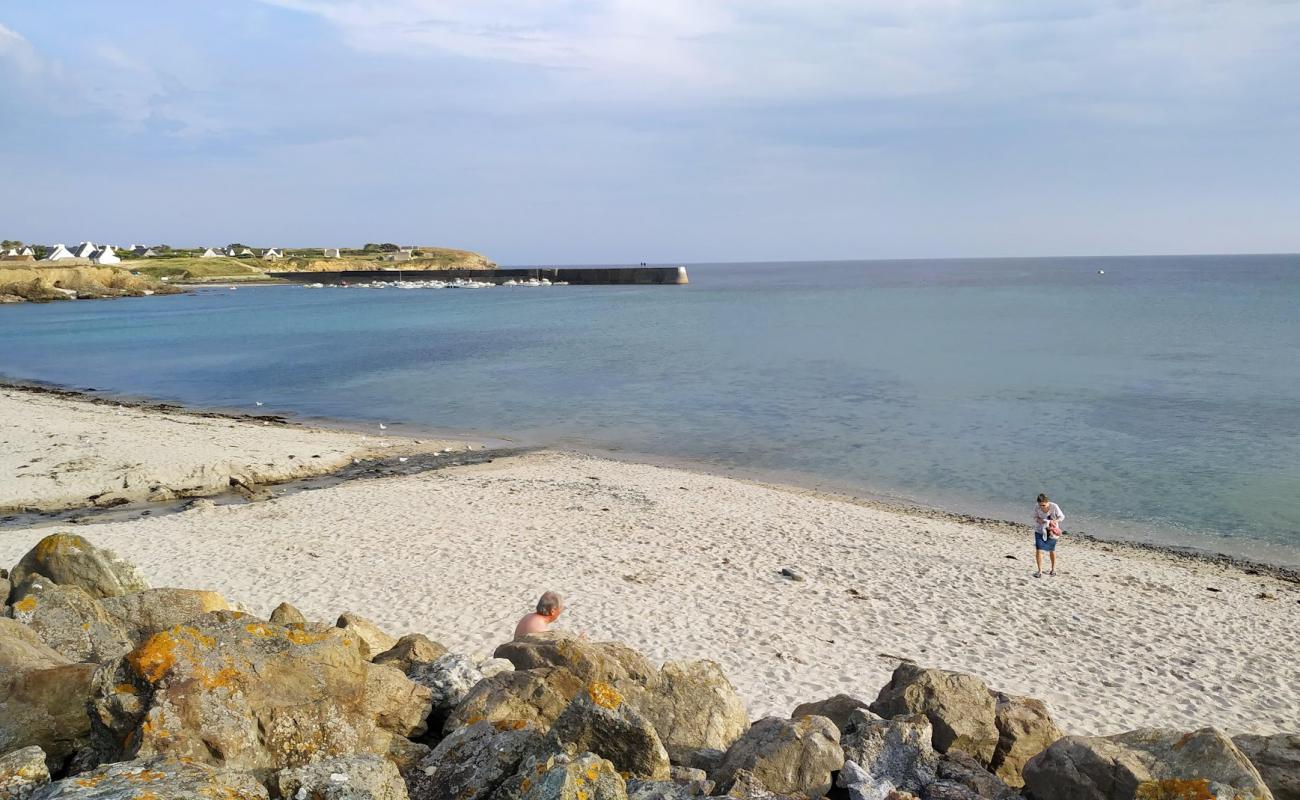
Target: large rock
{"type": "Point", "coordinates": [287, 614]}
{"type": "Point", "coordinates": [537, 696]}
{"type": "Point", "coordinates": [70, 560]}
{"type": "Point", "coordinates": [374, 640]}
{"type": "Point", "coordinates": [585, 777]}
{"type": "Point", "coordinates": [897, 750]}
{"type": "Point", "coordinates": [1278, 760]}
{"type": "Point", "coordinates": [1025, 729]}
{"type": "Point", "coordinates": [355, 777]}
{"type": "Point", "coordinates": [960, 777]}
{"type": "Point", "coordinates": [449, 680]}
{"type": "Point", "coordinates": [1151, 764]}
{"type": "Point", "coordinates": [786, 756]}
{"type": "Point", "coordinates": [22, 772]}
{"type": "Point", "coordinates": [837, 709]}
{"type": "Point", "coordinates": [156, 779]}
{"type": "Point", "coordinates": [69, 620]}
{"type": "Point", "coordinates": [46, 706]}
{"type": "Point", "coordinates": [600, 721]}
{"type": "Point", "coordinates": [21, 648]}
{"type": "Point", "coordinates": [959, 706]}
{"type": "Point", "coordinates": [604, 662]}
{"type": "Point", "coordinates": [231, 691]}
{"type": "Point", "coordinates": [473, 761]}
{"type": "Point", "coordinates": [692, 707]}
{"type": "Point", "coordinates": [413, 648]}
{"type": "Point", "coordinates": [142, 614]}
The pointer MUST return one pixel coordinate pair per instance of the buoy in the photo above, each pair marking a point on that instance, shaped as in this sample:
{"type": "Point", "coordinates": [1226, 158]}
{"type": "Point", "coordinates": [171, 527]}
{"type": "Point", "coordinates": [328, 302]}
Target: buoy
{"type": "Point", "coordinates": [1101, 272]}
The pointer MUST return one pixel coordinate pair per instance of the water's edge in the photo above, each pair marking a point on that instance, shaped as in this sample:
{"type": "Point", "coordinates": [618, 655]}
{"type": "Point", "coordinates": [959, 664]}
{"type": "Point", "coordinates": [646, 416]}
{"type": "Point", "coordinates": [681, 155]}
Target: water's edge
{"type": "Point", "coordinates": [504, 446]}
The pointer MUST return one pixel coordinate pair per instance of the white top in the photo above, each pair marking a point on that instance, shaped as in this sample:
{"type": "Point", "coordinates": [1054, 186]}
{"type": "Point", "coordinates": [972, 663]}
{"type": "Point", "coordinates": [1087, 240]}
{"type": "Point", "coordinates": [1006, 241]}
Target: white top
{"type": "Point", "coordinates": [1041, 517]}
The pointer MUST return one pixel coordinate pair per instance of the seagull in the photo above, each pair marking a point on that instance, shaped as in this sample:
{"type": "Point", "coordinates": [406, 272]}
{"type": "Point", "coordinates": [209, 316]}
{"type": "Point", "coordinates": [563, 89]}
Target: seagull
{"type": "Point", "coordinates": [383, 427]}
{"type": "Point", "coordinates": [402, 459]}
{"type": "Point", "coordinates": [1101, 272]}
{"type": "Point", "coordinates": [258, 402]}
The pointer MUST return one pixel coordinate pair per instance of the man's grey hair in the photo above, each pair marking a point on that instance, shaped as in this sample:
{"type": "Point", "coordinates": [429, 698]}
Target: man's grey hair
{"type": "Point", "coordinates": [550, 602]}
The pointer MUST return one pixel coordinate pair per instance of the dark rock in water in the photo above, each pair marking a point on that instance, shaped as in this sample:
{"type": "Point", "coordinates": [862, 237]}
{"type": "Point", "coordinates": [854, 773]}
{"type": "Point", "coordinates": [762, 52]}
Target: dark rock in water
{"type": "Point", "coordinates": [356, 777]}
{"type": "Point", "coordinates": [413, 648]}
{"type": "Point", "coordinates": [70, 560]}
{"type": "Point", "coordinates": [374, 640]}
{"type": "Point", "coordinates": [1278, 760]}
{"type": "Point", "coordinates": [837, 709]}
{"type": "Point", "coordinates": [156, 779]}
{"type": "Point", "coordinates": [287, 614]}
{"type": "Point", "coordinates": [472, 762]}
{"type": "Point", "coordinates": [1025, 729]}
{"type": "Point", "coordinates": [1147, 763]}
{"type": "Point", "coordinates": [896, 750]}
{"type": "Point", "coordinates": [22, 772]}
{"type": "Point", "coordinates": [960, 707]}
{"type": "Point", "coordinates": [785, 756]}
{"type": "Point", "coordinates": [692, 707]}
{"type": "Point", "coordinates": [537, 696]}
{"type": "Point", "coordinates": [606, 662]}
{"type": "Point", "coordinates": [600, 721]}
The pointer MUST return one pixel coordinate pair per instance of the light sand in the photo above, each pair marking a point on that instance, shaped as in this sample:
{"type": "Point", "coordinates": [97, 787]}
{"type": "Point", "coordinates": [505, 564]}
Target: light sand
{"type": "Point", "coordinates": [685, 565]}
{"type": "Point", "coordinates": [56, 453]}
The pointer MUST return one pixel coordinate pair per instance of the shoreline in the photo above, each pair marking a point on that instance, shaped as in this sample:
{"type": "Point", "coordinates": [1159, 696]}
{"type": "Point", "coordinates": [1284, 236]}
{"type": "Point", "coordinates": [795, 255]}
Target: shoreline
{"type": "Point", "coordinates": [406, 432]}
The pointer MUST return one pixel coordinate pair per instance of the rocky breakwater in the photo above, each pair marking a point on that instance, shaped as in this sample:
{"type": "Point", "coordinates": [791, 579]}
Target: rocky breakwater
{"type": "Point", "coordinates": [111, 689]}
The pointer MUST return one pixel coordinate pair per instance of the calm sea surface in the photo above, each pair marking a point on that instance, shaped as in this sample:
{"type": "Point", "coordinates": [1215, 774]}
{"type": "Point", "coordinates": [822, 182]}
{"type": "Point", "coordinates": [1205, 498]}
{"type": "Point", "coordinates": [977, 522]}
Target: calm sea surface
{"type": "Point", "coordinates": [1159, 402]}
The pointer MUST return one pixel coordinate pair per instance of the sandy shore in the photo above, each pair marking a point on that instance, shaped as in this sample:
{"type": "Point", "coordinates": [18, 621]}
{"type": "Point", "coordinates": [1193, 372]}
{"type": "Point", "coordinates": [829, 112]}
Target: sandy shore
{"type": "Point", "coordinates": [685, 565]}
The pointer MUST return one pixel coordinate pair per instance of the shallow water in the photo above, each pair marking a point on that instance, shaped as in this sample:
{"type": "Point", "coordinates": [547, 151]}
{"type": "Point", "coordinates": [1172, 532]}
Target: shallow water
{"type": "Point", "coordinates": [1159, 402]}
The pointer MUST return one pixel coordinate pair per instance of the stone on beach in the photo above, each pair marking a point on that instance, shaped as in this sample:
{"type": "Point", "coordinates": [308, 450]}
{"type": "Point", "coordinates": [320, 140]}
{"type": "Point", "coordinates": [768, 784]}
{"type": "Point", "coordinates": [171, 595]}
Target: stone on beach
{"type": "Point", "coordinates": [473, 761]}
{"type": "Point", "coordinates": [287, 614]}
{"type": "Point", "coordinates": [599, 720]}
{"type": "Point", "coordinates": [1025, 729]}
{"type": "Point", "coordinates": [233, 691]}
{"type": "Point", "coordinates": [144, 613]}
{"type": "Point", "coordinates": [353, 777]}
{"type": "Point", "coordinates": [960, 776]}
{"type": "Point", "coordinates": [45, 705]}
{"type": "Point", "coordinates": [449, 679]}
{"type": "Point", "coordinates": [786, 756]}
{"type": "Point", "coordinates": [538, 696]}
{"type": "Point", "coordinates": [585, 777]}
{"type": "Point", "coordinates": [22, 772]}
{"type": "Point", "coordinates": [606, 662]}
{"type": "Point", "coordinates": [70, 560]}
{"type": "Point", "coordinates": [897, 750]}
{"type": "Point", "coordinates": [1277, 758]}
{"type": "Point", "coordinates": [691, 705]}
{"type": "Point", "coordinates": [413, 648]}
{"type": "Point", "coordinates": [960, 707]}
{"type": "Point", "coordinates": [68, 620]}
{"type": "Point", "coordinates": [1149, 764]}
{"type": "Point", "coordinates": [21, 648]}
{"type": "Point", "coordinates": [156, 779]}
{"type": "Point", "coordinates": [837, 709]}
{"type": "Point", "coordinates": [374, 640]}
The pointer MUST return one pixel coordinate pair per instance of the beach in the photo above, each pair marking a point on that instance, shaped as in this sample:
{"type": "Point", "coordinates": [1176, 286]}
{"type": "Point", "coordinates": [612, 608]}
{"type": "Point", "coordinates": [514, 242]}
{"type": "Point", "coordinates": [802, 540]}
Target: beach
{"type": "Point", "coordinates": [679, 564]}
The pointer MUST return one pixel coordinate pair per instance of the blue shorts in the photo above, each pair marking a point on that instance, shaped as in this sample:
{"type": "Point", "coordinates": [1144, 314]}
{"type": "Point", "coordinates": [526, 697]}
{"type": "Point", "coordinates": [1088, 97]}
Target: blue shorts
{"type": "Point", "coordinates": [1045, 543]}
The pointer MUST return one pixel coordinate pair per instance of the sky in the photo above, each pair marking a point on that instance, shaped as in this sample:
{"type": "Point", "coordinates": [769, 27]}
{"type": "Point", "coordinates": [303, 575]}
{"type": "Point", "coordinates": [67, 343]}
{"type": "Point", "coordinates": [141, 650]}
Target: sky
{"type": "Point", "coordinates": [620, 131]}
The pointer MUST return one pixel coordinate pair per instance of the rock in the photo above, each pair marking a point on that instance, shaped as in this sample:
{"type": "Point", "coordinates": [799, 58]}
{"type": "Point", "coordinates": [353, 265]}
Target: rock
{"type": "Point", "coordinates": [156, 779]}
{"type": "Point", "coordinates": [896, 750]}
{"type": "Point", "coordinates": [355, 777]}
{"type": "Point", "coordinates": [961, 769]}
{"type": "Point", "coordinates": [200, 504]}
{"type": "Point", "coordinates": [791, 574]}
{"type": "Point", "coordinates": [1025, 729]}
{"type": "Point", "coordinates": [231, 691]}
{"type": "Point", "coordinates": [22, 772]}
{"type": "Point", "coordinates": [494, 666]}
{"type": "Point", "coordinates": [600, 721]}
{"type": "Point", "coordinates": [69, 620]}
{"type": "Point", "coordinates": [684, 784]}
{"type": "Point", "coordinates": [538, 696]}
{"type": "Point", "coordinates": [1278, 760]}
{"type": "Point", "coordinates": [586, 777]}
{"type": "Point", "coordinates": [46, 706]}
{"type": "Point", "coordinates": [413, 648]}
{"type": "Point", "coordinates": [861, 785]}
{"type": "Point", "coordinates": [960, 707]}
{"type": "Point", "coordinates": [21, 648]}
{"type": "Point", "coordinates": [1148, 763]}
{"type": "Point", "coordinates": [449, 680]}
{"type": "Point", "coordinates": [70, 560]}
{"type": "Point", "coordinates": [285, 614]}
{"type": "Point", "coordinates": [692, 706]}
{"type": "Point", "coordinates": [5, 588]}
{"type": "Point", "coordinates": [836, 709]}
{"type": "Point", "coordinates": [373, 640]}
{"type": "Point", "coordinates": [786, 756]}
{"type": "Point", "coordinates": [473, 761]}
{"type": "Point", "coordinates": [603, 662]}
{"type": "Point", "coordinates": [695, 781]}
{"type": "Point", "coordinates": [142, 614]}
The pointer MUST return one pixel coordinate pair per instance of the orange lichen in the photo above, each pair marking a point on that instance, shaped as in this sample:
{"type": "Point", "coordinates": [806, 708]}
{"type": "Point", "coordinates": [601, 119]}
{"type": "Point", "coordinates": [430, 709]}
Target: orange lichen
{"type": "Point", "coordinates": [525, 784]}
{"type": "Point", "coordinates": [225, 677]}
{"type": "Point", "coordinates": [604, 695]}
{"type": "Point", "coordinates": [261, 629]}
{"type": "Point", "coordinates": [593, 773]}
{"type": "Point", "coordinates": [124, 688]}
{"type": "Point", "coordinates": [474, 719]}
{"type": "Point", "coordinates": [91, 782]}
{"type": "Point", "coordinates": [1181, 743]}
{"type": "Point", "coordinates": [26, 604]}
{"type": "Point", "coordinates": [582, 795]}
{"type": "Point", "coordinates": [156, 657]}
{"type": "Point", "coordinates": [1175, 789]}
{"type": "Point", "coordinates": [56, 544]}
{"type": "Point", "coordinates": [509, 724]}
{"type": "Point", "coordinates": [305, 637]}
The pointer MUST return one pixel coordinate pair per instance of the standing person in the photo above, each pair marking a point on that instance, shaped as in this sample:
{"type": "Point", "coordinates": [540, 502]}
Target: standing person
{"type": "Point", "coordinates": [1047, 529]}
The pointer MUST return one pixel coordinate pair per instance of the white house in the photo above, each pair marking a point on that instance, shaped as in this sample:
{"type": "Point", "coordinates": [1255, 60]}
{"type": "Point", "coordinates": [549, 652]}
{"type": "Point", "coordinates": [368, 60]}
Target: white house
{"type": "Point", "coordinates": [105, 255]}
{"type": "Point", "coordinates": [272, 255]}
{"type": "Point", "coordinates": [59, 253]}
{"type": "Point", "coordinates": [232, 252]}
{"type": "Point", "coordinates": [247, 252]}
{"type": "Point", "coordinates": [209, 253]}
{"type": "Point", "coordinates": [84, 250]}
{"type": "Point", "coordinates": [332, 252]}
{"type": "Point", "coordinates": [27, 251]}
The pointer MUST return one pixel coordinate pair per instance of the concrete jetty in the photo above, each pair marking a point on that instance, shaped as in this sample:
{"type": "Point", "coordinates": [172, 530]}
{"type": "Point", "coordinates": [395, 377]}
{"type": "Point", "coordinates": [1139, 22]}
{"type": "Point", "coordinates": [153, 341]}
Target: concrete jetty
{"type": "Point", "coordinates": [587, 276]}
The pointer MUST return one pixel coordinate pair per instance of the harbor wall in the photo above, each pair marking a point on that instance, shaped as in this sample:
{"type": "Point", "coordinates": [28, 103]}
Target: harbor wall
{"type": "Point", "coordinates": [665, 276]}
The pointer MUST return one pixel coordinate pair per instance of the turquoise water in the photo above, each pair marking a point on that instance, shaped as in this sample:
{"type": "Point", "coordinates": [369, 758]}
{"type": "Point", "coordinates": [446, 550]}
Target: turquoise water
{"type": "Point", "coordinates": [1160, 401]}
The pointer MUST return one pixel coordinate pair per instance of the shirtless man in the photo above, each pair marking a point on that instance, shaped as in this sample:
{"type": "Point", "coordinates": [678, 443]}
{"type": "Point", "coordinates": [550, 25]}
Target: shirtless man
{"type": "Point", "coordinates": [548, 611]}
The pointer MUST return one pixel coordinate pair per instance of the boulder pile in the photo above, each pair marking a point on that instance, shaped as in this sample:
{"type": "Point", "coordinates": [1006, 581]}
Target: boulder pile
{"type": "Point", "coordinates": [112, 690]}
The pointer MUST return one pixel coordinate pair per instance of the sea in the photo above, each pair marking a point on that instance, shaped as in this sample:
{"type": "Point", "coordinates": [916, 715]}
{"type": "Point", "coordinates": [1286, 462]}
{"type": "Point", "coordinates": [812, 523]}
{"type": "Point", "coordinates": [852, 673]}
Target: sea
{"type": "Point", "coordinates": [1156, 399]}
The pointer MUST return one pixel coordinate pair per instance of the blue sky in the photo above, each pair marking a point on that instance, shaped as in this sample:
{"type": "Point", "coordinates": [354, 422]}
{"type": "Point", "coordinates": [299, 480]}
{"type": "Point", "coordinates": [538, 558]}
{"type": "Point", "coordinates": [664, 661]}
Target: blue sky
{"type": "Point", "coordinates": [588, 131]}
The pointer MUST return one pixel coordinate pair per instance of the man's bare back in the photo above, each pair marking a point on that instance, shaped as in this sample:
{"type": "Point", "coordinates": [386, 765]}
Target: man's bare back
{"type": "Point", "coordinates": [532, 623]}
